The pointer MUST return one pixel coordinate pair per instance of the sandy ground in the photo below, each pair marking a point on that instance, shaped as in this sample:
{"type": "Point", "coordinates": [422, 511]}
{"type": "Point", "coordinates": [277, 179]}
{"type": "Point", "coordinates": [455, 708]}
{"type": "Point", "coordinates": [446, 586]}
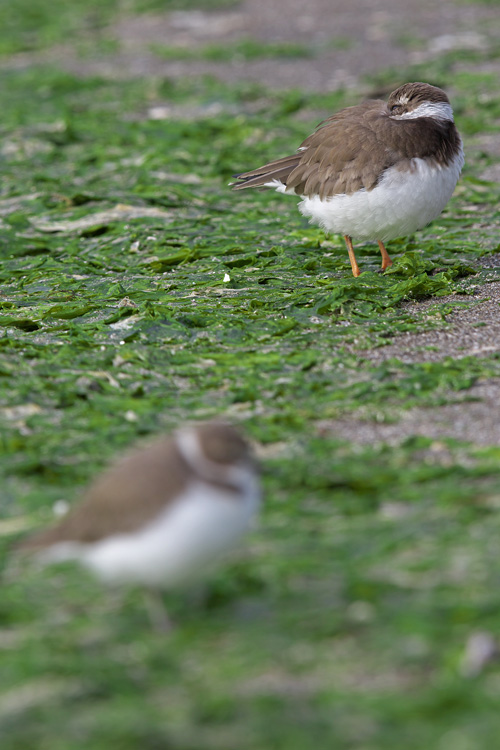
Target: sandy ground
{"type": "Point", "coordinates": [473, 331]}
{"type": "Point", "coordinates": [352, 38]}
{"type": "Point", "coordinates": [474, 414]}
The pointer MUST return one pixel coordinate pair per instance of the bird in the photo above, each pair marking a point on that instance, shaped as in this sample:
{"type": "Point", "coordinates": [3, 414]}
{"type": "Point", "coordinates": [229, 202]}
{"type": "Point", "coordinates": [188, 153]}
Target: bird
{"type": "Point", "coordinates": [159, 515]}
{"type": "Point", "coordinates": [374, 171]}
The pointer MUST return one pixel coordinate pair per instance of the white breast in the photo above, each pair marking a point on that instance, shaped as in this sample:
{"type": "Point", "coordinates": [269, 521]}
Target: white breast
{"type": "Point", "coordinates": [401, 203]}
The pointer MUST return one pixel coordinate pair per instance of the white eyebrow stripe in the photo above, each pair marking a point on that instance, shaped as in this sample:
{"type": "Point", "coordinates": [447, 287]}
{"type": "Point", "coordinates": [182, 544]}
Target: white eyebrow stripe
{"type": "Point", "coordinates": [436, 110]}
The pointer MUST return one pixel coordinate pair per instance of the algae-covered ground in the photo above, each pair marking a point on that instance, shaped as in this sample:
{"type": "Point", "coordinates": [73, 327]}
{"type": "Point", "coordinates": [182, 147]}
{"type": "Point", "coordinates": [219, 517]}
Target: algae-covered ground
{"type": "Point", "coordinates": [137, 293]}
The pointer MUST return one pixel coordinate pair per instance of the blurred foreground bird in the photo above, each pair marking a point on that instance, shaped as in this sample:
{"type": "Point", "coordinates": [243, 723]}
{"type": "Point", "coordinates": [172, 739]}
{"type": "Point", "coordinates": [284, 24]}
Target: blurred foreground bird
{"type": "Point", "coordinates": [375, 171]}
{"type": "Point", "coordinates": [160, 515]}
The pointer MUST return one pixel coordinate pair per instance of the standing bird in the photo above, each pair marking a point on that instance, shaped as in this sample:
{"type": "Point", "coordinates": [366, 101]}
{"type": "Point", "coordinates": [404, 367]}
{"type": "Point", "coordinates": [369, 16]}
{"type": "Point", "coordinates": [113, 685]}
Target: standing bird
{"type": "Point", "coordinates": [375, 171]}
{"type": "Point", "coordinates": [162, 513]}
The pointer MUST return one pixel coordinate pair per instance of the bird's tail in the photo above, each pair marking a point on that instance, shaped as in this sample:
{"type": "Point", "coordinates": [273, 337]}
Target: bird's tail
{"type": "Point", "coordinates": [269, 175]}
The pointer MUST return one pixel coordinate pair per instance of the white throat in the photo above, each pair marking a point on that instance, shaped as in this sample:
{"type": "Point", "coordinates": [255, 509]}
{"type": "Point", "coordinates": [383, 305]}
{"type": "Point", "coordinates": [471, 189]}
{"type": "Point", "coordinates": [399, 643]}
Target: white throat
{"type": "Point", "coordinates": [436, 110]}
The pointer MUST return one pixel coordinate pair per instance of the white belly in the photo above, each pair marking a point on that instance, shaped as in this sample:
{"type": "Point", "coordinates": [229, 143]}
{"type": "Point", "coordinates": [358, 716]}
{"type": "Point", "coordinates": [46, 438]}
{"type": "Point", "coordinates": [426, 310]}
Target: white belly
{"type": "Point", "coordinates": [401, 203]}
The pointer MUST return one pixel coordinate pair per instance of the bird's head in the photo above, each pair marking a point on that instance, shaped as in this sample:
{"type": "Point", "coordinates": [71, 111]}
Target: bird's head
{"type": "Point", "coordinates": [414, 100]}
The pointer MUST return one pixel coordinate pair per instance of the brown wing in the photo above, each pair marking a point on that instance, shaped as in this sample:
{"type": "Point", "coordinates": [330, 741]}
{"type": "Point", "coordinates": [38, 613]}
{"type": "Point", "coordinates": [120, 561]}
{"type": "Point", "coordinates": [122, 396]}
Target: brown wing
{"type": "Point", "coordinates": [344, 154]}
{"type": "Point", "coordinates": [123, 498]}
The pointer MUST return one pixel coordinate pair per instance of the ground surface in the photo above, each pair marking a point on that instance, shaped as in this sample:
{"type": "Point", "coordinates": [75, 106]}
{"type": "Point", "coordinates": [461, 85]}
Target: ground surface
{"type": "Point", "coordinates": [324, 44]}
{"type": "Point", "coordinates": [138, 292]}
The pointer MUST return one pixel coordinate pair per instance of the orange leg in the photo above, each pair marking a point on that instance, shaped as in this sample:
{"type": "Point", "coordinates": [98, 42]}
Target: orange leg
{"type": "Point", "coordinates": [354, 264]}
{"type": "Point", "coordinates": [386, 261]}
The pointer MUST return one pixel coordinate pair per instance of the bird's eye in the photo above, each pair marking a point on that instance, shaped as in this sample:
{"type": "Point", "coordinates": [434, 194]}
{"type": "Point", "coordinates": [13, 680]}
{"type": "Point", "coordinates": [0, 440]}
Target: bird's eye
{"type": "Point", "coordinates": [395, 107]}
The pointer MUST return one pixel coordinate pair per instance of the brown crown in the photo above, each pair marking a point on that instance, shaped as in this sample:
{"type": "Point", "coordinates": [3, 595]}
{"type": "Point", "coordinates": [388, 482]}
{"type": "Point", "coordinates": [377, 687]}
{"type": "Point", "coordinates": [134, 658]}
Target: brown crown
{"type": "Point", "coordinates": [222, 443]}
{"type": "Point", "coordinates": [417, 93]}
